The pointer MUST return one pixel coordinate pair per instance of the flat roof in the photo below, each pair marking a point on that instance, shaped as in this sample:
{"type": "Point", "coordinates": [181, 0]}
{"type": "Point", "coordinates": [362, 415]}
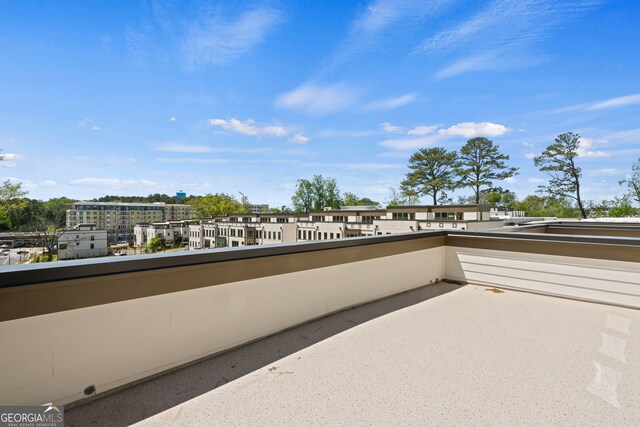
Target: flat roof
{"type": "Point", "coordinates": [440, 354]}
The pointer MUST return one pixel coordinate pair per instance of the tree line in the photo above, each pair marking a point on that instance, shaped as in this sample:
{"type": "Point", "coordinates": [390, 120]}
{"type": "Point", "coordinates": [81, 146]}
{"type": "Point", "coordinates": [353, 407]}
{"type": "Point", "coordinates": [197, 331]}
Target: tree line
{"type": "Point", "coordinates": [432, 172]}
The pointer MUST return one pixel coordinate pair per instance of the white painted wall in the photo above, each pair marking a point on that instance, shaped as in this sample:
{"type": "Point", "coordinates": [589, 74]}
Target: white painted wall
{"type": "Point", "coordinates": [614, 282]}
{"type": "Point", "coordinates": [54, 357]}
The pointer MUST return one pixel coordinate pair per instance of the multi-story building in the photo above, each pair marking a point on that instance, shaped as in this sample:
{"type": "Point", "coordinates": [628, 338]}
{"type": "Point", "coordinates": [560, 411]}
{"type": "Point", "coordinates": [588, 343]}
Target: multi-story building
{"type": "Point", "coordinates": [259, 229]}
{"type": "Point", "coordinates": [171, 232]}
{"type": "Point", "coordinates": [119, 219]}
{"type": "Point", "coordinates": [82, 241]}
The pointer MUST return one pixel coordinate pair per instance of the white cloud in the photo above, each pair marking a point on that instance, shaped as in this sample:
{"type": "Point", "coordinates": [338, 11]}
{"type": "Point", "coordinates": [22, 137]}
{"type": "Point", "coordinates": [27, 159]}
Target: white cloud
{"type": "Point", "coordinates": [536, 180]}
{"type": "Point", "coordinates": [424, 136]}
{"type": "Point", "coordinates": [180, 148]}
{"type": "Point", "coordinates": [122, 161]}
{"type": "Point", "coordinates": [389, 128]}
{"type": "Point", "coordinates": [510, 180]}
{"type": "Point", "coordinates": [192, 160]}
{"type": "Point", "coordinates": [586, 149]}
{"type": "Point", "coordinates": [368, 29]}
{"type": "Point", "coordinates": [299, 139]}
{"type": "Point", "coordinates": [10, 160]}
{"type": "Point", "coordinates": [25, 182]}
{"type": "Point", "coordinates": [502, 34]}
{"type": "Point", "coordinates": [474, 62]}
{"type": "Point", "coordinates": [248, 127]}
{"type": "Point", "coordinates": [84, 122]}
{"type": "Point", "coordinates": [621, 101]}
{"type": "Point", "coordinates": [48, 183]}
{"type": "Point", "coordinates": [218, 40]}
{"type": "Point", "coordinates": [172, 119]}
{"type": "Point", "coordinates": [607, 172]}
{"type": "Point", "coordinates": [113, 183]}
{"type": "Point", "coordinates": [616, 102]}
{"type": "Point", "coordinates": [472, 129]}
{"type": "Point", "coordinates": [528, 144]}
{"type": "Point", "coordinates": [96, 129]}
{"type": "Point", "coordinates": [392, 103]}
{"type": "Point", "coordinates": [316, 99]}
{"type": "Point", "coordinates": [422, 130]}
{"type": "Point", "coordinates": [411, 143]}
{"type": "Point", "coordinates": [529, 156]}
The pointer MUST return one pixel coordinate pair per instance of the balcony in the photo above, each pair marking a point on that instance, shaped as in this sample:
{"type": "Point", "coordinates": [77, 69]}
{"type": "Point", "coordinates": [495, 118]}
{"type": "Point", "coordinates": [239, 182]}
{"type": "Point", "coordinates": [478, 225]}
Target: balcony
{"type": "Point", "coordinates": [445, 335]}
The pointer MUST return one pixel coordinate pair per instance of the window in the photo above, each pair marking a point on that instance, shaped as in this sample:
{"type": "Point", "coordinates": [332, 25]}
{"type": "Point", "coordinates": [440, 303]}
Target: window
{"type": "Point", "coordinates": [279, 235]}
{"type": "Point", "coordinates": [325, 236]}
{"type": "Point", "coordinates": [92, 239]}
{"type": "Point", "coordinates": [92, 246]}
{"type": "Point", "coordinates": [338, 236]}
{"type": "Point", "coordinates": [269, 235]}
{"type": "Point", "coordinates": [317, 218]}
{"type": "Point", "coordinates": [234, 243]}
{"type": "Point", "coordinates": [63, 246]}
{"type": "Point", "coordinates": [339, 218]}
{"type": "Point", "coordinates": [331, 235]}
{"type": "Point", "coordinates": [403, 216]}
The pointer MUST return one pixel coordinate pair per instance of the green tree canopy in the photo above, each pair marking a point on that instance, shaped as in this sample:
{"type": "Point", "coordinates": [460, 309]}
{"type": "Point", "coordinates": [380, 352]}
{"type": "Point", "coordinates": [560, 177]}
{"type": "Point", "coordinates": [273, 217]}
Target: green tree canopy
{"type": "Point", "coordinates": [316, 194]}
{"type": "Point", "coordinates": [480, 163]}
{"type": "Point", "coordinates": [216, 204]}
{"type": "Point", "coordinates": [351, 199]}
{"type": "Point", "coordinates": [12, 201]}
{"type": "Point", "coordinates": [558, 160]}
{"type": "Point", "coordinates": [432, 172]}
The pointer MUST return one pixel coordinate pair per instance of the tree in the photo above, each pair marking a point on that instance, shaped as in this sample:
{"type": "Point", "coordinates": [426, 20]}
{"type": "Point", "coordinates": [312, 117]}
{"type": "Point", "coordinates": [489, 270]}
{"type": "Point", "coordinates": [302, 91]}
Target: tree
{"type": "Point", "coordinates": [50, 223]}
{"type": "Point", "coordinates": [351, 199]}
{"type": "Point", "coordinates": [558, 160]}
{"type": "Point", "coordinates": [216, 204]}
{"type": "Point", "coordinates": [480, 163]}
{"type": "Point", "coordinates": [155, 244]}
{"type": "Point", "coordinates": [400, 198]}
{"type": "Point", "coordinates": [540, 206]}
{"type": "Point", "coordinates": [431, 173]}
{"type": "Point", "coordinates": [316, 194]}
{"type": "Point", "coordinates": [633, 181]}
{"type": "Point", "coordinates": [12, 201]}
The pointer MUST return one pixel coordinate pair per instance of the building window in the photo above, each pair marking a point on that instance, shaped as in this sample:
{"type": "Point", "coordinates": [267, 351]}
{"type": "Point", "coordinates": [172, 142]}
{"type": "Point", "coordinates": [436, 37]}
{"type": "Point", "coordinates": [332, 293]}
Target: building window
{"type": "Point", "coordinates": [234, 243]}
{"type": "Point", "coordinates": [331, 235]}
{"type": "Point", "coordinates": [63, 246]}
{"type": "Point", "coordinates": [93, 238]}
{"type": "Point", "coordinates": [338, 236]}
{"type": "Point", "coordinates": [92, 246]}
{"type": "Point", "coordinates": [325, 236]}
{"type": "Point", "coordinates": [279, 235]}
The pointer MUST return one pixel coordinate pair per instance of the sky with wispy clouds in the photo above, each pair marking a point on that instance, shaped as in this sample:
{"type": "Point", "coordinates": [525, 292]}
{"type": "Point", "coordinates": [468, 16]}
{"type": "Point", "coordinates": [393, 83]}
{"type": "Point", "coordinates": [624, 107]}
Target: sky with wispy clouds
{"type": "Point", "coordinates": [134, 98]}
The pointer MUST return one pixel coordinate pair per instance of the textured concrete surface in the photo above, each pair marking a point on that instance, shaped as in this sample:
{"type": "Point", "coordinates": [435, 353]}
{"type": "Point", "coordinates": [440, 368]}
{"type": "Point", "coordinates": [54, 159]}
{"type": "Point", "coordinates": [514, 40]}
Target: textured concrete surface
{"type": "Point", "coordinates": [471, 356]}
{"type": "Point", "coordinates": [158, 394]}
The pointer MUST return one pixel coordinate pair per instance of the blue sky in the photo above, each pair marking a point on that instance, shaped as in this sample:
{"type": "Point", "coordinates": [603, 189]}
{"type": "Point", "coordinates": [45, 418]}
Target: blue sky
{"type": "Point", "coordinates": [133, 98]}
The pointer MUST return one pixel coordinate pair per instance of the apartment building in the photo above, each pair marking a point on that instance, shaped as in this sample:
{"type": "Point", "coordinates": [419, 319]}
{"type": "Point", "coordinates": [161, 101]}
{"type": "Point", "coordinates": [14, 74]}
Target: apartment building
{"type": "Point", "coordinates": [329, 224]}
{"type": "Point", "coordinates": [119, 219]}
{"type": "Point", "coordinates": [83, 241]}
{"type": "Point", "coordinates": [172, 232]}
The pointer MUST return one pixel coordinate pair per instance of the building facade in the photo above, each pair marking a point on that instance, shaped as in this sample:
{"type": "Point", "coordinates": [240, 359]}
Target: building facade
{"type": "Point", "coordinates": [263, 229]}
{"type": "Point", "coordinates": [119, 219]}
{"type": "Point", "coordinates": [83, 241]}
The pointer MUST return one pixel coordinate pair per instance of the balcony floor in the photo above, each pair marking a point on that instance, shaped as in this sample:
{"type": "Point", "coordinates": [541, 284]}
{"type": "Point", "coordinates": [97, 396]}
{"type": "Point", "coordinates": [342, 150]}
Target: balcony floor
{"type": "Point", "coordinates": [440, 354]}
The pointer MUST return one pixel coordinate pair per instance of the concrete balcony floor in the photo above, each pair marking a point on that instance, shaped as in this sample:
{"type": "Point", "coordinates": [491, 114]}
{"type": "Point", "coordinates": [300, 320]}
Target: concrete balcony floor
{"type": "Point", "coordinates": [440, 354]}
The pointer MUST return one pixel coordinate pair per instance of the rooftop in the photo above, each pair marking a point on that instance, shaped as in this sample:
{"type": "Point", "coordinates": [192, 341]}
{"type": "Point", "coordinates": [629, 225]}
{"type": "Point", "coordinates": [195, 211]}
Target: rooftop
{"type": "Point", "coordinates": [449, 327]}
{"type": "Point", "coordinates": [440, 354]}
